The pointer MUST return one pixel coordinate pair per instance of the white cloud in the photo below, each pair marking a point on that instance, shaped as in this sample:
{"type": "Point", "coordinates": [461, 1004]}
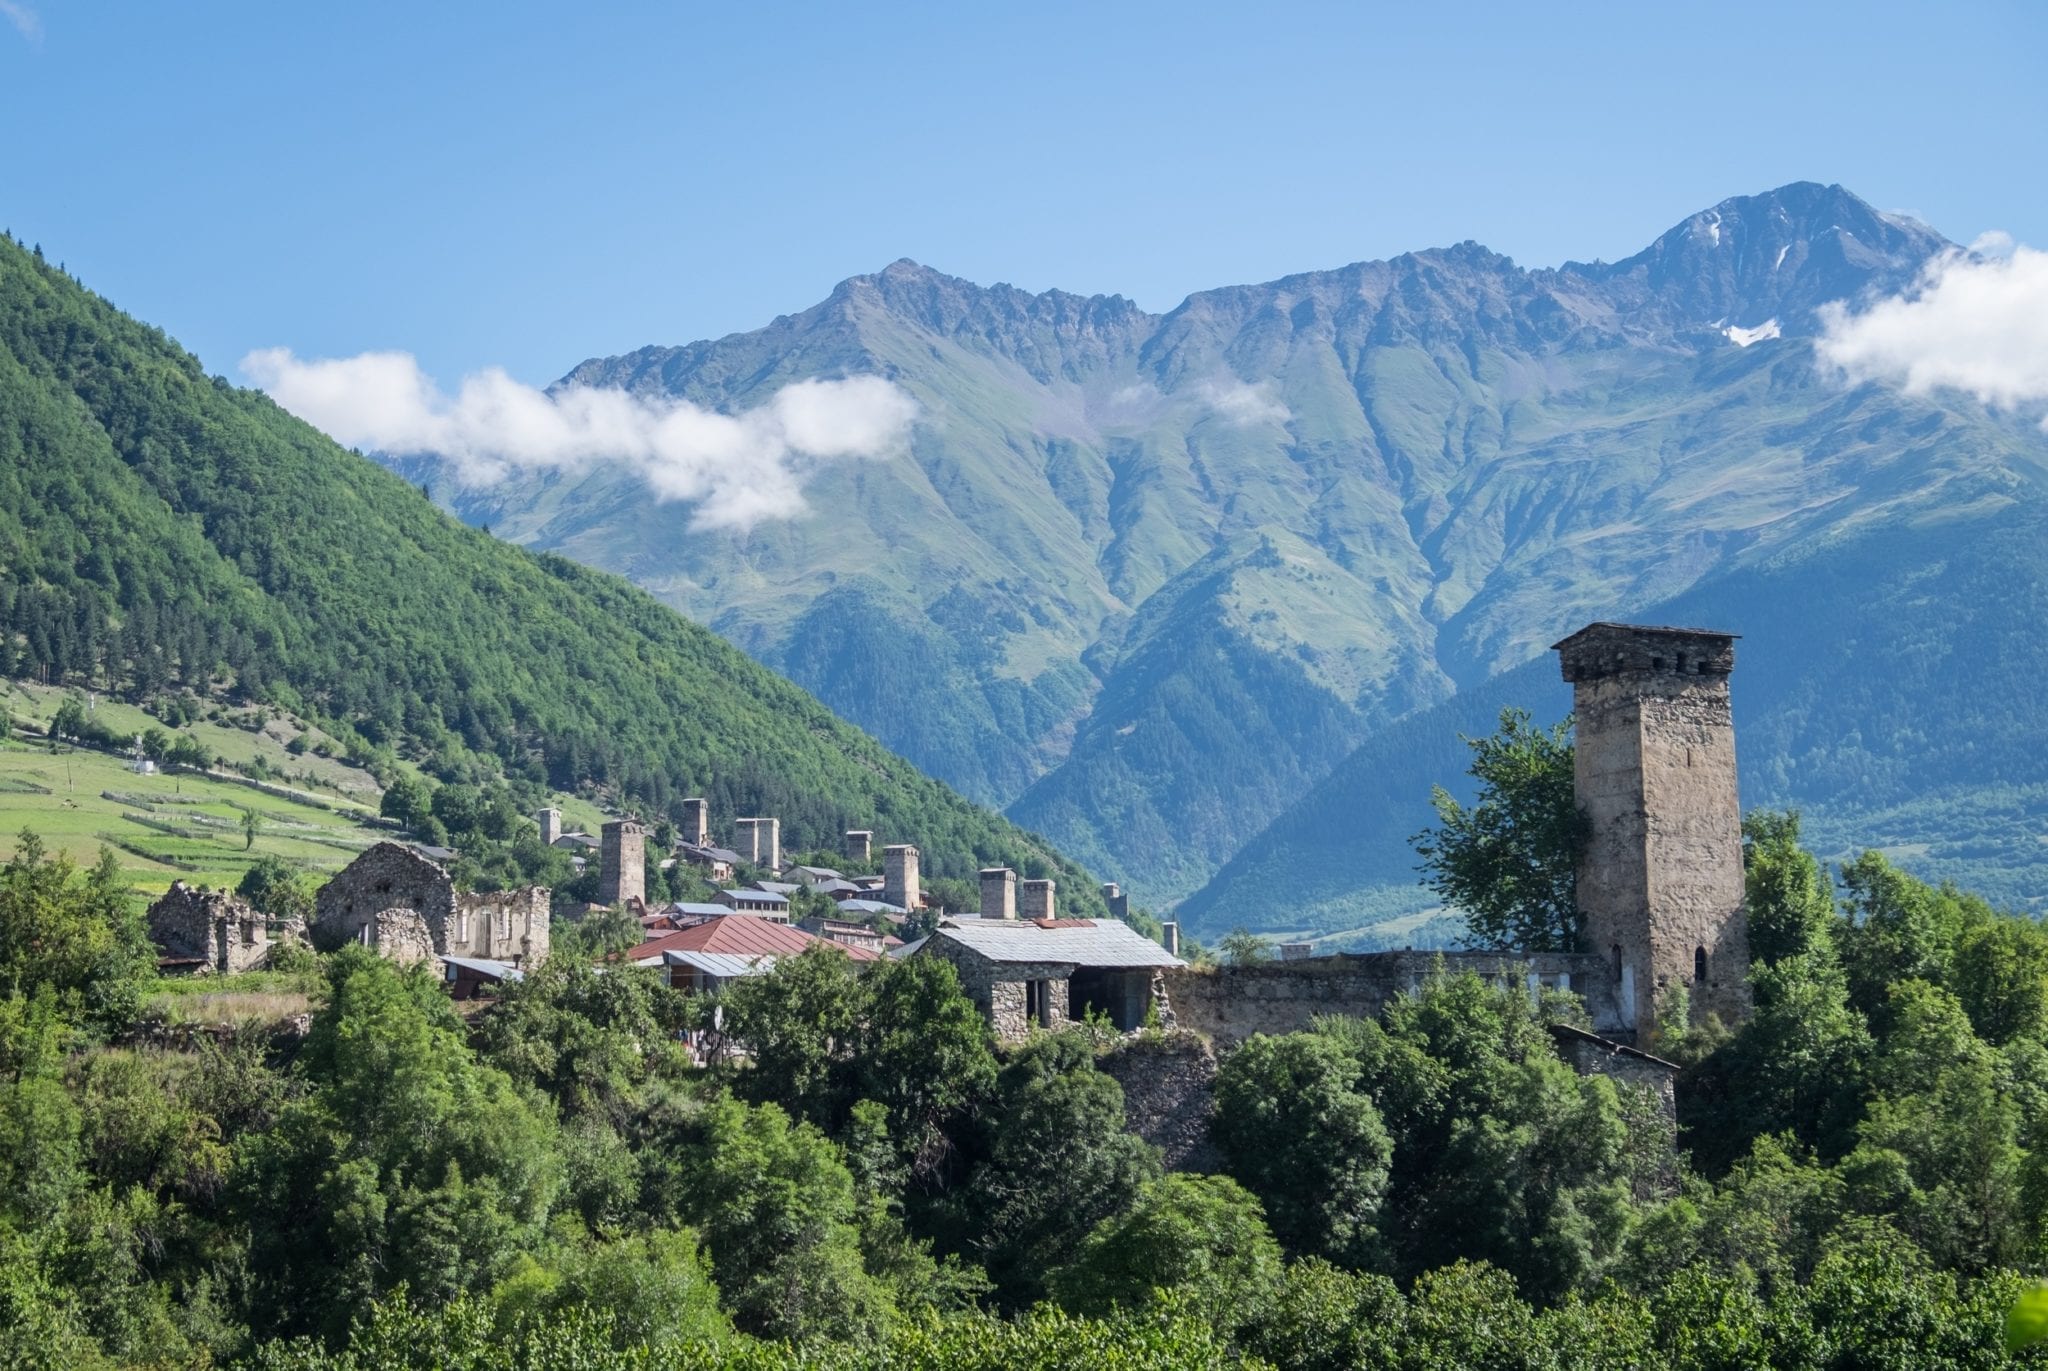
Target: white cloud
{"type": "Point", "coordinates": [1241, 403]}
{"type": "Point", "coordinates": [737, 470]}
{"type": "Point", "coordinates": [1973, 323]}
{"type": "Point", "coordinates": [24, 19]}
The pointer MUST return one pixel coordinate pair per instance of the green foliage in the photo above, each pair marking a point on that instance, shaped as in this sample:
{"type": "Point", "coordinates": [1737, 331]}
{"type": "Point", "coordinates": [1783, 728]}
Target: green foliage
{"type": "Point", "coordinates": [1059, 1163]}
{"type": "Point", "coordinates": [276, 888]}
{"type": "Point", "coordinates": [1312, 1148]}
{"type": "Point", "coordinates": [1241, 947]}
{"type": "Point", "coordinates": [1203, 1236]}
{"type": "Point", "coordinates": [75, 935]}
{"type": "Point", "coordinates": [1509, 861]}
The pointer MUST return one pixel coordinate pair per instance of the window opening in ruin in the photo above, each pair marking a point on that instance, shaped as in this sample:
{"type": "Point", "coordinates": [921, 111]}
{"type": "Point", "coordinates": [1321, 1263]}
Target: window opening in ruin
{"type": "Point", "coordinates": [1699, 966]}
{"type": "Point", "coordinates": [1656, 664]}
{"type": "Point", "coordinates": [1617, 959]}
{"type": "Point", "coordinates": [1681, 665]}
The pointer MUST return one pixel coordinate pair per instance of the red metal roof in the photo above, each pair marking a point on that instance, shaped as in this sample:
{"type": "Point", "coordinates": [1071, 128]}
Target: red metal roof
{"type": "Point", "coordinates": [743, 934]}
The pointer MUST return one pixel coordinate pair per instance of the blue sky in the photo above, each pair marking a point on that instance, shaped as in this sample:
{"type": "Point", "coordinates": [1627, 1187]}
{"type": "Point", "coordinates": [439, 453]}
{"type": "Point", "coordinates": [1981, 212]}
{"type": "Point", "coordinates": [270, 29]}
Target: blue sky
{"type": "Point", "coordinates": [526, 185]}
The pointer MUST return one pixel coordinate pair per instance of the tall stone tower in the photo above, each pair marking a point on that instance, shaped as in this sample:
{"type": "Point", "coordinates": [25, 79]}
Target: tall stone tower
{"type": "Point", "coordinates": [550, 821]}
{"type": "Point", "coordinates": [998, 893]}
{"type": "Point", "coordinates": [761, 842]}
{"type": "Point", "coordinates": [696, 823]}
{"type": "Point", "coordinates": [860, 844]}
{"type": "Point", "coordinates": [899, 876]}
{"type": "Point", "coordinates": [624, 856]}
{"type": "Point", "coordinates": [1036, 900]}
{"type": "Point", "coordinates": [1660, 884]}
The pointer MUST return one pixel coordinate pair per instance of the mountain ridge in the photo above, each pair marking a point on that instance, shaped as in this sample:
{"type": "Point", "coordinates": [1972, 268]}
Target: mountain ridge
{"type": "Point", "coordinates": [1455, 449]}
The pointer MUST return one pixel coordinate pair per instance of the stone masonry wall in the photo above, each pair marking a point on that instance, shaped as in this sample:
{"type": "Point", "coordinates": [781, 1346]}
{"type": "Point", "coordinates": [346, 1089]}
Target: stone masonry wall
{"type": "Point", "coordinates": [386, 877]}
{"type": "Point", "coordinates": [225, 933]}
{"type": "Point", "coordinates": [1228, 1004]}
{"type": "Point", "coordinates": [504, 925]}
{"type": "Point", "coordinates": [997, 988]}
{"type": "Point", "coordinates": [1169, 1094]}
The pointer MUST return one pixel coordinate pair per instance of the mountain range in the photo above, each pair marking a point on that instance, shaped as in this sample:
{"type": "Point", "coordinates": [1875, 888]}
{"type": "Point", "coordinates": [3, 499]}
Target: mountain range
{"type": "Point", "coordinates": [1147, 580]}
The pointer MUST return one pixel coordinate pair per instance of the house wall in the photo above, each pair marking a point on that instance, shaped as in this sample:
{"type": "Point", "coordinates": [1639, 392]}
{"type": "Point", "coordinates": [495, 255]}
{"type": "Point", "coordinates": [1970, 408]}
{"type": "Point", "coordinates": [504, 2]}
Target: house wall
{"type": "Point", "coordinates": [997, 988]}
{"type": "Point", "coordinates": [386, 877]}
{"type": "Point", "coordinates": [212, 925]}
{"type": "Point", "coordinates": [501, 925]}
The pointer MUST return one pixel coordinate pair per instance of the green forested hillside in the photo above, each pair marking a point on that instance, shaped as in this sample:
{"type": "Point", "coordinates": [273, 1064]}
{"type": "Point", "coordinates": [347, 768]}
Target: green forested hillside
{"type": "Point", "coordinates": [164, 532]}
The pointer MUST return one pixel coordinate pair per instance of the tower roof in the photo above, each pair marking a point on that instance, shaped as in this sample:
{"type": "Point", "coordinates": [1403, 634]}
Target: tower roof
{"type": "Point", "coordinates": [1605, 649]}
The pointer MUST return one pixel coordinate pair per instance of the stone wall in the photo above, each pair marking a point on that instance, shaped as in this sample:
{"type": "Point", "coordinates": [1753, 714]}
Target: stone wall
{"type": "Point", "coordinates": [1169, 1084]}
{"type": "Point", "coordinates": [504, 925]}
{"type": "Point", "coordinates": [1228, 1004]}
{"type": "Point", "coordinates": [386, 877]}
{"type": "Point", "coordinates": [1592, 1056]}
{"type": "Point", "coordinates": [998, 988]}
{"type": "Point", "coordinates": [221, 932]}
{"type": "Point", "coordinates": [397, 935]}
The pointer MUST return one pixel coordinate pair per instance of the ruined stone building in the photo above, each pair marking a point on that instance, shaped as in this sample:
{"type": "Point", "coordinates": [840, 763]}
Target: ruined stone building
{"type": "Point", "coordinates": [1659, 883]}
{"type": "Point", "coordinates": [405, 906]}
{"type": "Point", "coordinates": [201, 931]}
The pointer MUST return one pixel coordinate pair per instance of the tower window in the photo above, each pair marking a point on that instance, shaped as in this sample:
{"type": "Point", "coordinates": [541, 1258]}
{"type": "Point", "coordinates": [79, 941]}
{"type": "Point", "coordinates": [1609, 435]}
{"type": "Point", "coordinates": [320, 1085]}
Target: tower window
{"type": "Point", "coordinates": [1699, 966]}
{"type": "Point", "coordinates": [1617, 959]}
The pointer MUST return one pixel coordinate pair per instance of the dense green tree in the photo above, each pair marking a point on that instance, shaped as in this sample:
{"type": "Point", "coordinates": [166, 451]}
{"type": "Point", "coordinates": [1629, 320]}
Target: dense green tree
{"type": "Point", "coordinates": [277, 888]}
{"type": "Point", "coordinates": [1509, 862]}
{"type": "Point", "coordinates": [75, 933]}
{"type": "Point", "coordinates": [777, 1209]}
{"type": "Point", "coordinates": [1205, 1236]}
{"type": "Point", "coordinates": [1059, 1162]}
{"type": "Point", "coordinates": [1296, 1132]}
{"type": "Point", "coordinates": [1786, 900]}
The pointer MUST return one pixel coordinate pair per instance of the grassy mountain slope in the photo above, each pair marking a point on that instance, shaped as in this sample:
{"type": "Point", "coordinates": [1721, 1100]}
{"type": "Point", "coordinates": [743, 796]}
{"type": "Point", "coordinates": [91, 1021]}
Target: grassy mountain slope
{"type": "Point", "coordinates": [1887, 684]}
{"type": "Point", "coordinates": [160, 530]}
{"type": "Point", "coordinates": [1451, 454]}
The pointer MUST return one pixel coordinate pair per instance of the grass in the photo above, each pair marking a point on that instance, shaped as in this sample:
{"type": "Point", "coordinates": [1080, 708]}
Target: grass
{"type": "Point", "coordinates": [63, 797]}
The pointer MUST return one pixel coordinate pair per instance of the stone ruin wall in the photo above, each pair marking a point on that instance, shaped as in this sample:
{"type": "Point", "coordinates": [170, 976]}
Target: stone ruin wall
{"type": "Point", "coordinates": [997, 988]}
{"type": "Point", "coordinates": [399, 936]}
{"type": "Point", "coordinates": [1228, 1004]}
{"type": "Point", "coordinates": [1169, 1084]}
{"type": "Point", "coordinates": [387, 877]}
{"type": "Point", "coordinates": [226, 933]}
{"type": "Point", "coordinates": [502, 925]}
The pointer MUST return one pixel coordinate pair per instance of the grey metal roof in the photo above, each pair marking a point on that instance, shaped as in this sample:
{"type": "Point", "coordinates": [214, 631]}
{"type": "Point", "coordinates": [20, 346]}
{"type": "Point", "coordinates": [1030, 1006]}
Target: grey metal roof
{"type": "Point", "coordinates": [871, 906]}
{"type": "Point", "coordinates": [484, 966]}
{"type": "Point", "coordinates": [724, 965]}
{"type": "Point", "coordinates": [777, 887]}
{"type": "Point", "coordinates": [1102, 943]}
{"type": "Point", "coordinates": [709, 911]}
{"type": "Point", "coordinates": [909, 947]}
{"type": "Point", "coordinates": [758, 896]}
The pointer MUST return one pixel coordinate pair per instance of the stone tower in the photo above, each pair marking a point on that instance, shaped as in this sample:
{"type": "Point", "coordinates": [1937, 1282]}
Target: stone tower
{"type": "Point", "coordinates": [1660, 884]}
{"type": "Point", "coordinates": [761, 842]}
{"type": "Point", "coordinates": [624, 874]}
{"type": "Point", "coordinates": [998, 893]}
{"type": "Point", "coordinates": [696, 823]}
{"type": "Point", "coordinates": [1118, 902]}
{"type": "Point", "coordinates": [899, 876]}
{"type": "Point", "coordinates": [550, 821]}
{"type": "Point", "coordinates": [1035, 900]}
{"type": "Point", "coordinates": [860, 844]}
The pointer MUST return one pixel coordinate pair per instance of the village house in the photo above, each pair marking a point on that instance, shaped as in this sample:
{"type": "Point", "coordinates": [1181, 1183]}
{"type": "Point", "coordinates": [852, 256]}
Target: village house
{"type": "Point", "coordinates": [1025, 968]}
{"type": "Point", "coordinates": [767, 903]}
{"type": "Point", "coordinates": [707, 956]}
{"type": "Point", "coordinates": [845, 933]}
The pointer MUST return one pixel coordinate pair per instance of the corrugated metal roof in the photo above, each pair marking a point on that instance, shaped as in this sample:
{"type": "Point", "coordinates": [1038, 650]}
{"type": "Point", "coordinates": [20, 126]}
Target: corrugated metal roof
{"type": "Point", "coordinates": [871, 906]}
{"type": "Point", "coordinates": [1101, 943]}
{"type": "Point", "coordinates": [724, 965]}
{"type": "Point", "coordinates": [709, 911]}
{"type": "Point", "coordinates": [484, 966]}
{"type": "Point", "coordinates": [756, 896]}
